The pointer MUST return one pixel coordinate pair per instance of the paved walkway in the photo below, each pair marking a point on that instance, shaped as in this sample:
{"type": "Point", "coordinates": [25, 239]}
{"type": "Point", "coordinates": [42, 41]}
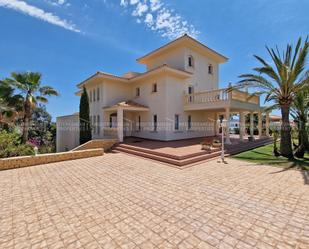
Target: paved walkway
{"type": "Point", "coordinates": [119, 201]}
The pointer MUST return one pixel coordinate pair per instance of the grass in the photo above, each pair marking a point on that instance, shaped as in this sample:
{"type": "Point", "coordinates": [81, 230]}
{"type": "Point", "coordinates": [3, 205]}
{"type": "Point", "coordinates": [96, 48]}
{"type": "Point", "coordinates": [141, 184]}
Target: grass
{"type": "Point", "coordinates": [264, 155]}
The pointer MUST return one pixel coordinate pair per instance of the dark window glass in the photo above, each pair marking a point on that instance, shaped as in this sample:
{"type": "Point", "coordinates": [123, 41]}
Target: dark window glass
{"type": "Point", "coordinates": [139, 123]}
{"type": "Point", "coordinates": [98, 94]}
{"type": "Point", "coordinates": [137, 92]}
{"type": "Point", "coordinates": [210, 69]}
{"type": "Point", "coordinates": [154, 88]}
{"type": "Point", "coordinates": [176, 122]}
{"type": "Point", "coordinates": [155, 122]}
{"type": "Point", "coordinates": [190, 61]}
{"type": "Point", "coordinates": [189, 122]}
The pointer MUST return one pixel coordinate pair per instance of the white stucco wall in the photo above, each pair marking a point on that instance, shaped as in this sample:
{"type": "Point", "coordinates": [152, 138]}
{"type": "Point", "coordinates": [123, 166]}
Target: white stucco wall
{"type": "Point", "coordinates": [67, 135]}
{"type": "Point", "coordinates": [202, 121]}
{"type": "Point", "coordinates": [157, 103]}
{"type": "Point", "coordinates": [111, 92]}
{"type": "Point", "coordinates": [178, 58]}
{"type": "Point", "coordinates": [201, 79]}
{"type": "Point", "coordinates": [174, 58]}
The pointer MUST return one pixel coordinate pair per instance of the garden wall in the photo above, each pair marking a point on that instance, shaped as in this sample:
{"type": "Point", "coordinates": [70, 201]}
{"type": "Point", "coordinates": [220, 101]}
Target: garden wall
{"type": "Point", "coordinates": [25, 161]}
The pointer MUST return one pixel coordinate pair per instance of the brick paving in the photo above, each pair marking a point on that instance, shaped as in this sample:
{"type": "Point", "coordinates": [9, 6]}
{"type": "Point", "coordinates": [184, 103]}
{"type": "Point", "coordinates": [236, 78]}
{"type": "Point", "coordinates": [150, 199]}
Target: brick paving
{"type": "Point", "coordinates": [121, 201]}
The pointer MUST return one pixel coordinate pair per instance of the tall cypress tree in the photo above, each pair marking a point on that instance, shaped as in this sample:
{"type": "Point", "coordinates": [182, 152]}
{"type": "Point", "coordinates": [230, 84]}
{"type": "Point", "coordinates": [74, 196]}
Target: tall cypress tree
{"type": "Point", "coordinates": [84, 119]}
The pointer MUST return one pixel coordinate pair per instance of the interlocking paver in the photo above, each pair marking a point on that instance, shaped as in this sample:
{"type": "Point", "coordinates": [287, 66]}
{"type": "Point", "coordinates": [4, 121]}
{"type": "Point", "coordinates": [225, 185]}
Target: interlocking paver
{"type": "Point", "coordinates": [120, 201]}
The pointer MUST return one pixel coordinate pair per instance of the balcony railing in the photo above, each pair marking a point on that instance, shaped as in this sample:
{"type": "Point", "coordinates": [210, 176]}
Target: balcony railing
{"type": "Point", "coordinates": [220, 95]}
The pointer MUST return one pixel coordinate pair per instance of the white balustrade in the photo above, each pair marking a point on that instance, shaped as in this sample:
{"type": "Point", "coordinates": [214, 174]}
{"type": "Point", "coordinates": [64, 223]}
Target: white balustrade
{"type": "Point", "coordinates": [220, 95]}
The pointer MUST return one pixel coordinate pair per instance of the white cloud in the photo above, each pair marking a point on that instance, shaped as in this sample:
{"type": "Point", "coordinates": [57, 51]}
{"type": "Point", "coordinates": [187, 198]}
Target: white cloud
{"type": "Point", "coordinates": [140, 9]}
{"type": "Point", "coordinates": [36, 12]}
{"type": "Point", "coordinates": [158, 17]}
{"type": "Point", "coordinates": [134, 2]}
{"type": "Point", "coordinates": [58, 3]}
{"type": "Point", "coordinates": [155, 5]}
{"type": "Point", "coordinates": [149, 19]}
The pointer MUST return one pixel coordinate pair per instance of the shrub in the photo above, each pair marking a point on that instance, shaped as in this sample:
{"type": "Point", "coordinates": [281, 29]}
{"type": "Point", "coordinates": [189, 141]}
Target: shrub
{"type": "Point", "coordinates": [10, 145]}
{"type": "Point", "coordinates": [46, 149]}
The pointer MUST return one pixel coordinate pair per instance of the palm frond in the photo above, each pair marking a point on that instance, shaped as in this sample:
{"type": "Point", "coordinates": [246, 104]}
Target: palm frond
{"type": "Point", "coordinates": [48, 90]}
{"type": "Point", "coordinates": [41, 99]}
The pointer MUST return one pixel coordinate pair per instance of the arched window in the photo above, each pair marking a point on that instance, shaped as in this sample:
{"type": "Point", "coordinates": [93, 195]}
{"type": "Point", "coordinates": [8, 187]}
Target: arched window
{"type": "Point", "coordinates": [190, 61]}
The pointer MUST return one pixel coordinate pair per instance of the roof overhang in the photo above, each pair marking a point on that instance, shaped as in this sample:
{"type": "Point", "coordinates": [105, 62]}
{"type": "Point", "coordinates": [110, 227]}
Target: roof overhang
{"type": "Point", "coordinates": [127, 106]}
{"type": "Point", "coordinates": [184, 41]}
{"type": "Point", "coordinates": [164, 69]}
{"type": "Point", "coordinates": [101, 75]}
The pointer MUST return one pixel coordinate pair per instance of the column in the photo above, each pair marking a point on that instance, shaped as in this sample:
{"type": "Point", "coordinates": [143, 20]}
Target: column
{"type": "Point", "coordinates": [120, 124]}
{"type": "Point", "coordinates": [267, 124]}
{"type": "Point", "coordinates": [216, 124]}
{"type": "Point", "coordinates": [251, 125]}
{"type": "Point", "coordinates": [241, 126]}
{"type": "Point", "coordinates": [260, 128]}
{"type": "Point", "coordinates": [227, 126]}
{"type": "Point", "coordinates": [103, 126]}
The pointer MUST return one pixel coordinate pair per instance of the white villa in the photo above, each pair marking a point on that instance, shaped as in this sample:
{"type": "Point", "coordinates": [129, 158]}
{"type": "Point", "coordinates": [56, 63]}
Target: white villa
{"type": "Point", "coordinates": [177, 97]}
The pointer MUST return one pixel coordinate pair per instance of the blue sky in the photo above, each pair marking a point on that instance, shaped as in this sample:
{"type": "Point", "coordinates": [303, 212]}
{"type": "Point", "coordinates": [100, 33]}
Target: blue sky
{"type": "Point", "coordinates": [68, 40]}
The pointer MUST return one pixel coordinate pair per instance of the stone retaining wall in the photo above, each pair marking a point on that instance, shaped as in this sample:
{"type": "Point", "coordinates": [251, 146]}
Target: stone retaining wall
{"type": "Point", "coordinates": [106, 144]}
{"type": "Point", "coordinates": [25, 161]}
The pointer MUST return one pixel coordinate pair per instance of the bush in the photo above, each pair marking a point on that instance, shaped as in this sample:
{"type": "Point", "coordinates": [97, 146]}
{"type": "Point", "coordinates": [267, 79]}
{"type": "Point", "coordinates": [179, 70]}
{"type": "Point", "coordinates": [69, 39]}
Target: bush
{"type": "Point", "coordinates": [44, 149]}
{"type": "Point", "coordinates": [10, 145]}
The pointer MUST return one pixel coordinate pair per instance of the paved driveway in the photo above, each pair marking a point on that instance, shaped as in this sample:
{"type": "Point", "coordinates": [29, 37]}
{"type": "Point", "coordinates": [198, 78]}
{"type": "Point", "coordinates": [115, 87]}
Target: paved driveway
{"type": "Point", "coordinates": [120, 201]}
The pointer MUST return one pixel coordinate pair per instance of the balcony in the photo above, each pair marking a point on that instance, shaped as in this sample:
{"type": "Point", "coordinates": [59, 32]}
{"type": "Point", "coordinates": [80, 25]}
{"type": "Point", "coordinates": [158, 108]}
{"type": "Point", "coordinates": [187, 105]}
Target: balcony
{"type": "Point", "coordinates": [221, 99]}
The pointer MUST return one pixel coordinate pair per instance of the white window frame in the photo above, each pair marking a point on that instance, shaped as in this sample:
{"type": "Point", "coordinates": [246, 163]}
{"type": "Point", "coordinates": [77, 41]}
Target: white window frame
{"type": "Point", "coordinates": [176, 122]}
{"type": "Point", "coordinates": [189, 122]}
{"type": "Point", "coordinates": [139, 121]}
{"type": "Point", "coordinates": [210, 69]}
{"type": "Point", "coordinates": [94, 95]}
{"type": "Point", "coordinates": [94, 124]}
{"type": "Point", "coordinates": [190, 61]}
{"type": "Point", "coordinates": [98, 125]}
{"type": "Point", "coordinates": [154, 87]}
{"type": "Point", "coordinates": [98, 93]}
{"type": "Point", "coordinates": [137, 92]}
{"type": "Point", "coordinates": [155, 122]}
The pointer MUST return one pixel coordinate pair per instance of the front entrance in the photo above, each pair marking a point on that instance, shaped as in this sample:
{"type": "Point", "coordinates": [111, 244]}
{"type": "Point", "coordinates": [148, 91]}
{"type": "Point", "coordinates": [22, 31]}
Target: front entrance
{"type": "Point", "coordinates": [127, 127]}
{"type": "Point", "coordinates": [127, 124]}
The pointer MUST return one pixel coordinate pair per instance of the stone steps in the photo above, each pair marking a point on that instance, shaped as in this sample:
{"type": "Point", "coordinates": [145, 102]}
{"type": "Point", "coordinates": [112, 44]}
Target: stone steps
{"type": "Point", "coordinates": [162, 154]}
{"type": "Point", "coordinates": [185, 160]}
{"type": "Point", "coordinates": [169, 160]}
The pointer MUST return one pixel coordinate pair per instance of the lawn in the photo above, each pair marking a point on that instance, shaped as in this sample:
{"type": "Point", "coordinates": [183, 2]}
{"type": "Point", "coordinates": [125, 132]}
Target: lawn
{"type": "Point", "coordinates": [264, 155]}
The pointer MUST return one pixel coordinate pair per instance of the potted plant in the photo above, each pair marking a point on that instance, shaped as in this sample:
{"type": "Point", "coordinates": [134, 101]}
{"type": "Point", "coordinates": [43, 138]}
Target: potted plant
{"type": "Point", "coordinates": [216, 143]}
{"type": "Point", "coordinates": [206, 145]}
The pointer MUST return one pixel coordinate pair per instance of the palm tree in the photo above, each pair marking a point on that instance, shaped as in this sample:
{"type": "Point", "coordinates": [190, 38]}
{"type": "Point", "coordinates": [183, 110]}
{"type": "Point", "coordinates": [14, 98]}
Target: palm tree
{"type": "Point", "coordinates": [281, 82]}
{"type": "Point", "coordinates": [29, 85]}
{"type": "Point", "coordinates": [299, 111]}
{"type": "Point", "coordinates": [10, 104]}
